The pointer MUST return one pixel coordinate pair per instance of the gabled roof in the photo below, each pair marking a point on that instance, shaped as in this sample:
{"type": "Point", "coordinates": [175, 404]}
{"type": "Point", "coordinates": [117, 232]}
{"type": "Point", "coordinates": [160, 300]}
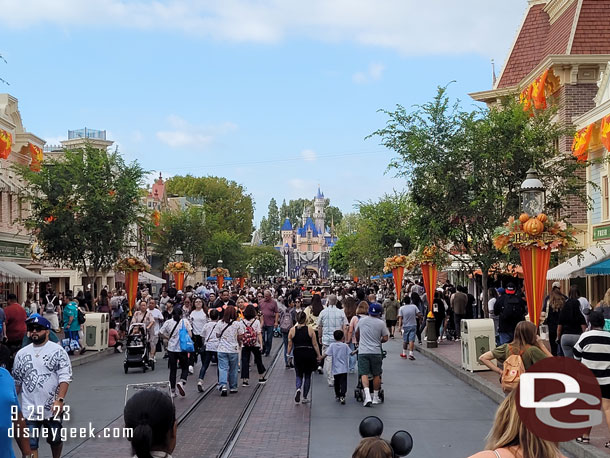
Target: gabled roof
{"type": "Point", "coordinates": [287, 226]}
{"type": "Point", "coordinates": [309, 225]}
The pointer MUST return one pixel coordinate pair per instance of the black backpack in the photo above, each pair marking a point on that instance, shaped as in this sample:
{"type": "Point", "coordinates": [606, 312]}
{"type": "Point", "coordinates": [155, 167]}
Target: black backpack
{"type": "Point", "coordinates": [80, 316]}
{"type": "Point", "coordinates": [513, 308]}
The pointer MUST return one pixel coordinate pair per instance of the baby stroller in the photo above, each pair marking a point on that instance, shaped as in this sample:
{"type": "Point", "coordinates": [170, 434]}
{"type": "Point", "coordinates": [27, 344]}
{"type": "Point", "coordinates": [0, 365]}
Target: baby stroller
{"type": "Point", "coordinates": [359, 390]}
{"type": "Point", "coordinates": [136, 349]}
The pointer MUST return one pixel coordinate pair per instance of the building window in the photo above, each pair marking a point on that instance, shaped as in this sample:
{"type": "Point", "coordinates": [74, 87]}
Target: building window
{"type": "Point", "coordinates": [605, 198]}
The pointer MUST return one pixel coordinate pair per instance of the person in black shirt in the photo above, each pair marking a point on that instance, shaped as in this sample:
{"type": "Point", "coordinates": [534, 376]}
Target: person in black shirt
{"type": "Point", "coordinates": [510, 308]}
{"type": "Point", "coordinates": [571, 324]}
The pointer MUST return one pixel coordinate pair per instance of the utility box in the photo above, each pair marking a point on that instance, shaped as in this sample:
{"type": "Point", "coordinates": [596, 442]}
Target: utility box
{"type": "Point", "coordinates": [97, 326]}
{"type": "Point", "coordinates": [478, 337]}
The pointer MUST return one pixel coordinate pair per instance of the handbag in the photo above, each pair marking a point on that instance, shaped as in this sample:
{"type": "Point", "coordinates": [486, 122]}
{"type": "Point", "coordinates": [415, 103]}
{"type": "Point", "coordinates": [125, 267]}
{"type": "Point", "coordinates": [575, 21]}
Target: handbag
{"type": "Point", "coordinates": [186, 343]}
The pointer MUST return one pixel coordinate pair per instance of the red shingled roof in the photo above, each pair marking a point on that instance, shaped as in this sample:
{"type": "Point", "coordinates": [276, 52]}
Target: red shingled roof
{"type": "Point", "coordinates": [559, 33]}
{"type": "Point", "coordinates": [593, 28]}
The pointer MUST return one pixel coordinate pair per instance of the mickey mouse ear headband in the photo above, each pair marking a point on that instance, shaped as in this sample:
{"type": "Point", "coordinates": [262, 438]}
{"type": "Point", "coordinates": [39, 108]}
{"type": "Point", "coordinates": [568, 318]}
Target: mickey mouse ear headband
{"type": "Point", "coordinates": [401, 442]}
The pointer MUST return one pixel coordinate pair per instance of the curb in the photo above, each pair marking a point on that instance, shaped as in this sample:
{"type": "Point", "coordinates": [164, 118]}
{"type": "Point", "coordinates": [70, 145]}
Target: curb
{"type": "Point", "coordinates": [495, 394]}
{"type": "Point", "coordinates": [92, 356]}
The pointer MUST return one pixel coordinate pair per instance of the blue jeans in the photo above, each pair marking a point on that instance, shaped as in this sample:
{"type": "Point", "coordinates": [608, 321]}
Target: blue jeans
{"type": "Point", "coordinates": [505, 337]}
{"type": "Point", "coordinates": [206, 359]}
{"type": "Point", "coordinates": [286, 355]}
{"type": "Point", "coordinates": [227, 369]}
{"type": "Point", "coordinates": [267, 339]}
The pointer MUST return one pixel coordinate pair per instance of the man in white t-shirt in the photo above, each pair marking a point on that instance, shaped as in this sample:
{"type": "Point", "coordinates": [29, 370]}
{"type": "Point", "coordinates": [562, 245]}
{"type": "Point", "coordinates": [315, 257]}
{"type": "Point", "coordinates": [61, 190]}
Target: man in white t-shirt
{"type": "Point", "coordinates": [407, 321]}
{"type": "Point", "coordinates": [42, 373]}
{"type": "Point", "coordinates": [153, 328]}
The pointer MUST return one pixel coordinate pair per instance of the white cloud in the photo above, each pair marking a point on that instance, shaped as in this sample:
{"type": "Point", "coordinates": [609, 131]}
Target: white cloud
{"type": "Point", "coordinates": [309, 155]}
{"type": "Point", "coordinates": [373, 73]}
{"type": "Point", "coordinates": [183, 134]}
{"type": "Point", "coordinates": [408, 26]}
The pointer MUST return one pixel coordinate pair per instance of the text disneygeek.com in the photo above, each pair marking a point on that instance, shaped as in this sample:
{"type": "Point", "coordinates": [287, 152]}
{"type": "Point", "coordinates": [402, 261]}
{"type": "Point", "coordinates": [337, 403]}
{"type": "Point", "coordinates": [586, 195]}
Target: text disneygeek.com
{"type": "Point", "coordinates": [65, 433]}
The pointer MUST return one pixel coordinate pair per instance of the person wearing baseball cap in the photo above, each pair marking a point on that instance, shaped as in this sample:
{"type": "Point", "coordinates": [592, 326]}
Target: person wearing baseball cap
{"type": "Point", "coordinates": [371, 332]}
{"type": "Point", "coordinates": [510, 308]}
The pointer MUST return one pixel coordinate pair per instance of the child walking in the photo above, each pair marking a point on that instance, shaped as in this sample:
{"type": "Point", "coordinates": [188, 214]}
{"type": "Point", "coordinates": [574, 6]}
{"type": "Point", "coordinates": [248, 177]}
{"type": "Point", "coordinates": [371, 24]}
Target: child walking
{"type": "Point", "coordinates": [339, 351]}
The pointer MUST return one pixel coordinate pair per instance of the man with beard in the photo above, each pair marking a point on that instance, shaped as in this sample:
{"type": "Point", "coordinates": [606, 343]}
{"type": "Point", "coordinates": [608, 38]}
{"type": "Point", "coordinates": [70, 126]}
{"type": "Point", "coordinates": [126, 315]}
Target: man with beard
{"type": "Point", "coordinates": [42, 373]}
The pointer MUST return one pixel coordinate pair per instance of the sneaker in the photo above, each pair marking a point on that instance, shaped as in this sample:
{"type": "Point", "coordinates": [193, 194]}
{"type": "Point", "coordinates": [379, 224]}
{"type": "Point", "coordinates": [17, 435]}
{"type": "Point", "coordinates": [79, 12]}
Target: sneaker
{"type": "Point", "coordinates": [262, 380]}
{"type": "Point", "coordinates": [223, 391]}
{"type": "Point", "coordinates": [165, 356]}
{"type": "Point", "coordinates": [119, 349]}
{"type": "Point", "coordinates": [412, 358]}
{"type": "Point", "coordinates": [245, 383]}
{"type": "Point", "coordinates": [180, 387]}
{"type": "Point", "coordinates": [305, 401]}
{"type": "Point", "coordinates": [320, 371]}
{"type": "Point", "coordinates": [191, 369]}
{"type": "Point", "coordinates": [297, 396]}
{"type": "Point", "coordinates": [200, 385]}
{"type": "Point", "coordinates": [174, 394]}
{"type": "Point", "coordinates": [233, 390]}
{"type": "Point", "coordinates": [367, 402]}
{"type": "Point", "coordinates": [376, 399]}
{"type": "Point", "coordinates": [402, 355]}
{"type": "Point", "coordinates": [342, 400]}
{"type": "Point", "coordinates": [331, 384]}
{"type": "Point", "coordinates": [337, 399]}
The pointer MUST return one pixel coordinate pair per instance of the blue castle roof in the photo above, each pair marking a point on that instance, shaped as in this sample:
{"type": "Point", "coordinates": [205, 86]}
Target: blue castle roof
{"type": "Point", "coordinates": [286, 226]}
{"type": "Point", "coordinates": [308, 225]}
{"type": "Point", "coordinates": [320, 194]}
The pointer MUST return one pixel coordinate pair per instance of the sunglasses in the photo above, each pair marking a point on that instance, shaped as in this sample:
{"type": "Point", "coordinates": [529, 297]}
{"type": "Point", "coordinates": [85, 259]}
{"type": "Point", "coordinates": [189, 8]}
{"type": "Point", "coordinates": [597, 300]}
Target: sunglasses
{"type": "Point", "coordinates": [36, 328]}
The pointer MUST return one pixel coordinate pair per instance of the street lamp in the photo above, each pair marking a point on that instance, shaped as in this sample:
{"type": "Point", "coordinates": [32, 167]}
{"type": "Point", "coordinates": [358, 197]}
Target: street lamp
{"type": "Point", "coordinates": [368, 263]}
{"type": "Point", "coordinates": [219, 263]}
{"type": "Point", "coordinates": [533, 194]}
{"type": "Point", "coordinates": [179, 255]}
{"type": "Point", "coordinates": [397, 247]}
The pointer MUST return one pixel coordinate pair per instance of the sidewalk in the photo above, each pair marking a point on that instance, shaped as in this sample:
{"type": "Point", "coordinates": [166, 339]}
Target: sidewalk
{"type": "Point", "coordinates": [448, 355]}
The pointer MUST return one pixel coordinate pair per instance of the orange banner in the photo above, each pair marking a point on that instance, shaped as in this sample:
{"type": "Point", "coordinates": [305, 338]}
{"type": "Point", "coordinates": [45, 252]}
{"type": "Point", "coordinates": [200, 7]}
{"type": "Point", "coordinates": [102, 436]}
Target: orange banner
{"type": "Point", "coordinates": [6, 143]}
{"type": "Point", "coordinates": [156, 217]}
{"type": "Point", "coordinates": [526, 98]}
{"type": "Point", "coordinates": [538, 91]}
{"type": "Point", "coordinates": [179, 279]}
{"type": "Point", "coordinates": [220, 281]}
{"type": "Point", "coordinates": [356, 279]}
{"type": "Point", "coordinates": [131, 286]}
{"type": "Point", "coordinates": [580, 145]}
{"type": "Point", "coordinates": [242, 282]}
{"type": "Point", "coordinates": [36, 155]}
{"type": "Point", "coordinates": [430, 274]}
{"type": "Point", "coordinates": [535, 262]}
{"type": "Point", "coordinates": [398, 274]}
{"type": "Point", "coordinates": [605, 132]}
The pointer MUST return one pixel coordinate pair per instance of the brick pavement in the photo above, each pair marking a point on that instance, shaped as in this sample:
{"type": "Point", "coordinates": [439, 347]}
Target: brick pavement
{"type": "Point", "coordinates": [448, 354]}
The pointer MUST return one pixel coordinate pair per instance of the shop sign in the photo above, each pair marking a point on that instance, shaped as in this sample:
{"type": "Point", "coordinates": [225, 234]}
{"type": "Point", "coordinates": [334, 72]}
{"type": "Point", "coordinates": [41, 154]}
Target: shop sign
{"type": "Point", "coordinates": [601, 232]}
{"type": "Point", "coordinates": [14, 250]}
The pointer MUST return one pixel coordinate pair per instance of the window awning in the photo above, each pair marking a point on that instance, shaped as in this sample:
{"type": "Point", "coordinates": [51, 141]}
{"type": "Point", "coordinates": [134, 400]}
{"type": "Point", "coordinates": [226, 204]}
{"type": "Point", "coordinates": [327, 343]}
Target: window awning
{"type": "Point", "coordinates": [601, 268]}
{"type": "Point", "coordinates": [143, 277]}
{"type": "Point", "coordinates": [13, 272]}
{"type": "Point", "coordinates": [576, 266]}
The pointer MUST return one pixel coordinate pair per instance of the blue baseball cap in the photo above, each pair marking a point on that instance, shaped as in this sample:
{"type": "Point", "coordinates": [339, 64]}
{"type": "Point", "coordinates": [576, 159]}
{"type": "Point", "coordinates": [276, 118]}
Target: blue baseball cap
{"type": "Point", "coordinates": [375, 309]}
{"type": "Point", "coordinates": [501, 290]}
{"type": "Point", "coordinates": [35, 318]}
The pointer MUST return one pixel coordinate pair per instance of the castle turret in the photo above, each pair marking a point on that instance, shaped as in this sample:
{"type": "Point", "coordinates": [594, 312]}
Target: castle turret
{"type": "Point", "coordinates": [286, 232]}
{"type": "Point", "coordinates": [318, 214]}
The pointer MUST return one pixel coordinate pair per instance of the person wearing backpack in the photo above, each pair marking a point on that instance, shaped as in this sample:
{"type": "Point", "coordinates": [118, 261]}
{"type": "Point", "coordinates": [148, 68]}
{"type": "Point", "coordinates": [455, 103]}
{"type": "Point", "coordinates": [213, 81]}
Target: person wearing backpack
{"type": "Point", "coordinates": [287, 321]}
{"type": "Point", "coordinates": [510, 308]}
{"type": "Point", "coordinates": [171, 331]}
{"type": "Point", "coordinates": [252, 342]}
{"type": "Point", "coordinates": [517, 356]}
{"type": "Point", "coordinates": [50, 309]}
{"type": "Point", "coordinates": [71, 324]}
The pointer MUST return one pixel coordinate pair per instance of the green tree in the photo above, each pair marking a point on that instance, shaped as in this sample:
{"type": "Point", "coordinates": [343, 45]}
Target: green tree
{"type": "Point", "coordinates": [464, 170]}
{"type": "Point", "coordinates": [266, 264]}
{"type": "Point", "coordinates": [183, 230]}
{"type": "Point", "coordinates": [270, 226]}
{"type": "Point", "coordinates": [341, 254]}
{"type": "Point", "coordinates": [295, 210]}
{"type": "Point", "coordinates": [227, 205]}
{"type": "Point", "coordinates": [83, 206]}
{"type": "Point", "coordinates": [332, 215]}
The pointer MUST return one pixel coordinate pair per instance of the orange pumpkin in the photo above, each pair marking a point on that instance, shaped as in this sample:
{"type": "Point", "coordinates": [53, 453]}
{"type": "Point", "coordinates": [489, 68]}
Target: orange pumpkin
{"type": "Point", "coordinates": [533, 226]}
{"type": "Point", "coordinates": [178, 265]}
{"type": "Point", "coordinates": [131, 262]}
{"type": "Point", "coordinates": [542, 218]}
{"type": "Point", "coordinates": [524, 217]}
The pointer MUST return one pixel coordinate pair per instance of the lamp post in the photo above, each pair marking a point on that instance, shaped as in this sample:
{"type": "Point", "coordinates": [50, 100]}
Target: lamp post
{"type": "Point", "coordinates": [368, 263]}
{"type": "Point", "coordinates": [179, 255]}
{"type": "Point", "coordinates": [532, 194]}
{"type": "Point", "coordinates": [397, 248]}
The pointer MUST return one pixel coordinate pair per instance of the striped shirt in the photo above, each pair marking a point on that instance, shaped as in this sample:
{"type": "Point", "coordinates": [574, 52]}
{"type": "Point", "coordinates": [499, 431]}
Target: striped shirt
{"type": "Point", "coordinates": [593, 350]}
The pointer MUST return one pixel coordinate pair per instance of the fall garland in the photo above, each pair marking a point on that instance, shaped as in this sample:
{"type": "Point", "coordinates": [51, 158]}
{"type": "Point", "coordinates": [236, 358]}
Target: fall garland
{"type": "Point", "coordinates": [400, 260]}
{"type": "Point", "coordinates": [219, 272]}
{"type": "Point", "coordinates": [431, 255]}
{"type": "Point", "coordinates": [527, 231]}
{"type": "Point", "coordinates": [179, 266]}
{"type": "Point", "coordinates": [132, 265]}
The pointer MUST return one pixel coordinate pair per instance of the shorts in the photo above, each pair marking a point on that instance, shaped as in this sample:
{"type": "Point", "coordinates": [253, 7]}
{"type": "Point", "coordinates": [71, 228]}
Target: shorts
{"type": "Point", "coordinates": [390, 323]}
{"type": "Point", "coordinates": [152, 341]}
{"type": "Point", "coordinates": [369, 364]}
{"type": "Point", "coordinates": [605, 391]}
{"type": "Point", "coordinates": [52, 434]}
{"type": "Point", "coordinates": [408, 334]}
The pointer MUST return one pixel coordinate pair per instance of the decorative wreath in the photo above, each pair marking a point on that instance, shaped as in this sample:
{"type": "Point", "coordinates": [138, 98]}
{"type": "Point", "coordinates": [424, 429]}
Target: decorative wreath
{"type": "Point", "coordinates": [179, 266]}
{"type": "Point", "coordinates": [219, 272]}
{"type": "Point", "coordinates": [528, 231]}
{"type": "Point", "coordinates": [431, 255]}
{"type": "Point", "coordinates": [132, 265]}
{"type": "Point", "coordinates": [399, 260]}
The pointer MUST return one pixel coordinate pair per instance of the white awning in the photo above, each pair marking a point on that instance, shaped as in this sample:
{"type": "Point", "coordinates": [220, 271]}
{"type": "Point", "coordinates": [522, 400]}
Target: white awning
{"type": "Point", "coordinates": [13, 272]}
{"type": "Point", "coordinates": [575, 266]}
{"type": "Point", "coordinates": [146, 277]}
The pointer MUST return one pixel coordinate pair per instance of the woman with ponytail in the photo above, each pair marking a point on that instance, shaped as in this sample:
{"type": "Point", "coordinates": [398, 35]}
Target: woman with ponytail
{"type": "Point", "coordinates": [152, 417]}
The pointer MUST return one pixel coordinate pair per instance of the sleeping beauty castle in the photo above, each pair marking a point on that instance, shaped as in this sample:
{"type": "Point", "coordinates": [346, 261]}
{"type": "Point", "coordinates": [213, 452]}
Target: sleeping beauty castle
{"type": "Point", "coordinates": [306, 248]}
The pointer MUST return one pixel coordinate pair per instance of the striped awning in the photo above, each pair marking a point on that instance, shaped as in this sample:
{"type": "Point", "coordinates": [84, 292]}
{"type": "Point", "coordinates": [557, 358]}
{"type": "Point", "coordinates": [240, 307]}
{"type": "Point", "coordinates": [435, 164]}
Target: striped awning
{"type": "Point", "coordinates": [575, 267]}
{"type": "Point", "coordinates": [143, 277]}
{"type": "Point", "coordinates": [13, 272]}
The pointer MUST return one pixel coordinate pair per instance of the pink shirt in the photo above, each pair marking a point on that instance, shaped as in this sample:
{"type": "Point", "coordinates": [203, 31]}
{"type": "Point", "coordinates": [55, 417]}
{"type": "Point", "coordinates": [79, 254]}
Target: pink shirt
{"type": "Point", "coordinates": [268, 308]}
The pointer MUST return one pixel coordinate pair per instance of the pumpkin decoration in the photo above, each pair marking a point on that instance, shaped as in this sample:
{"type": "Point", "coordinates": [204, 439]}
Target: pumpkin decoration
{"type": "Point", "coordinates": [524, 217]}
{"type": "Point", "coordinates": [131, 262]}
{"type": "Point", "coordinates": [542, 218]}
{"type": "Point", "coordinates": [533, 227]}
{"type": "Point", "coordinates": [178, 265]}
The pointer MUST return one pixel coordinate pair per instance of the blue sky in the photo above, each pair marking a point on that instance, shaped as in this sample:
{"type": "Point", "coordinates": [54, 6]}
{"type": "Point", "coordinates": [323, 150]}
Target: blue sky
{"type": "Point", "coordinates": [277, 95]}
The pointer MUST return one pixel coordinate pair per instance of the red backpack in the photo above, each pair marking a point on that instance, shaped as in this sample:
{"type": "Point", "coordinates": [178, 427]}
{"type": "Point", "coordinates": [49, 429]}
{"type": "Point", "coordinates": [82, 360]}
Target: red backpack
{"type": "Point", "coordinates": [250, 337]}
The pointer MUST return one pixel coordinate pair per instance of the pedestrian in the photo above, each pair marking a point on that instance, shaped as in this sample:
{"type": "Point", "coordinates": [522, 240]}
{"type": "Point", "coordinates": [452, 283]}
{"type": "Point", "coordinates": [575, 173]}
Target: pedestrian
{"type": "Point", "coordinates": [42, 401]}
{"type": "Point", "coordinates": [361, 310]}
{"type": "Point", "coordinates": [210, 346]}
{"type": "Point", "coordinates": [339, 352]}
{"type": "Point", "coordinates": [330, 320]}
{"type": "Point", "coordinates": [103, 302]}
{"type": "Point", "coordinates": [113, 338]}
{"type": "Point", "coordinates": [373, 447]}
{"type": "Point", "coordinates": [571, 323]}
{"type": "Point", "coordinates": [154, 327]}
{"type": "Point", "coordinates": [287, 321]}
{"type": "Point", "coordinates": [71, 324]}
{"type": "Point", "coordinates": [438, 310]}
{"type": "Point", "coordinates": [510, 309]}
{"type": "Point", "coordinates": [312, 311]}
{"type": "Point", "coordinates": [408, 315]}
{"type": "Point", "coordinates": [51, 309]}
{"type": "Point", "coordinates": [171, 332]}
{"type": "Point", "coordinates": [593, 350]}
{"type": "Point", "coordinates": [390, 309]}
{"type": "Point", "coordinates": [252, 342]}
{"type": "Point", "coordinates": [555, 304]}
{"type": "Point", "coordinates": [510, 438]}
{"type": "Point", "coordinates": [459, 303]}
{"type": "Point", "coordinates": [151, 416]}
{"type": "Point", "coordinates": [492, 294]}
{"type": "Point", "coordinates": [14, 325]}
{"type": "Point", "coordinates": [163, 300]}
{"type": "Point", "coordinates": [198, 318]}
{"type": "Point", "coordinates": [303, 343]}
{"type": "Point", "coordinates": [271, 314]}
{"type": "Point", "coordinates": [371, 332]}
{"type": "Point", "coordinates": [11, 417]}
{"type": "Point", "coordinates": [229, 332]}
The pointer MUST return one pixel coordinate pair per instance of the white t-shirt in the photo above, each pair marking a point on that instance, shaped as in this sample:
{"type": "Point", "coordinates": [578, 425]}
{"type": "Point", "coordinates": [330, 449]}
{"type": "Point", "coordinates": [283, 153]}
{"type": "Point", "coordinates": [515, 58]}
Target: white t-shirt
{"type": "Point", "coordinates": [255, 324]}
{"type": "Point", "coordinates": [227, 343]}
{"type": "Point", "coordinates": [490, 306]}
{"type": "Point", "coordinates": [210, 339]}
{"type": "Point", "coordinates": [174, 342]}
{"type": "Point", "coordinates": [39, 371]}
{"type": "Point", "coordinates": [158, 317]}
{"type": "Point", "coordinates": [198, 320]}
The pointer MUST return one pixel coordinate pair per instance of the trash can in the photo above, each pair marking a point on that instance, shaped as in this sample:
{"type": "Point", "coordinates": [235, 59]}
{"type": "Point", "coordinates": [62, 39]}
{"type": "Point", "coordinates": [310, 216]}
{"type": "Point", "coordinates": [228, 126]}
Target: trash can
{"type": "Point", "coordinates": [478, 337]}
{"type": "Point", "coordinates": [97, 326]}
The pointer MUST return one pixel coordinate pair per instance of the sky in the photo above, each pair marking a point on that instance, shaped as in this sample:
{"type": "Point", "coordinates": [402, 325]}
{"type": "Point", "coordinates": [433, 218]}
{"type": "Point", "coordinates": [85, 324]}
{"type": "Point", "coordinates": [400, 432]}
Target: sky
{"type": "Point", "coordinates": [277, 95]}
